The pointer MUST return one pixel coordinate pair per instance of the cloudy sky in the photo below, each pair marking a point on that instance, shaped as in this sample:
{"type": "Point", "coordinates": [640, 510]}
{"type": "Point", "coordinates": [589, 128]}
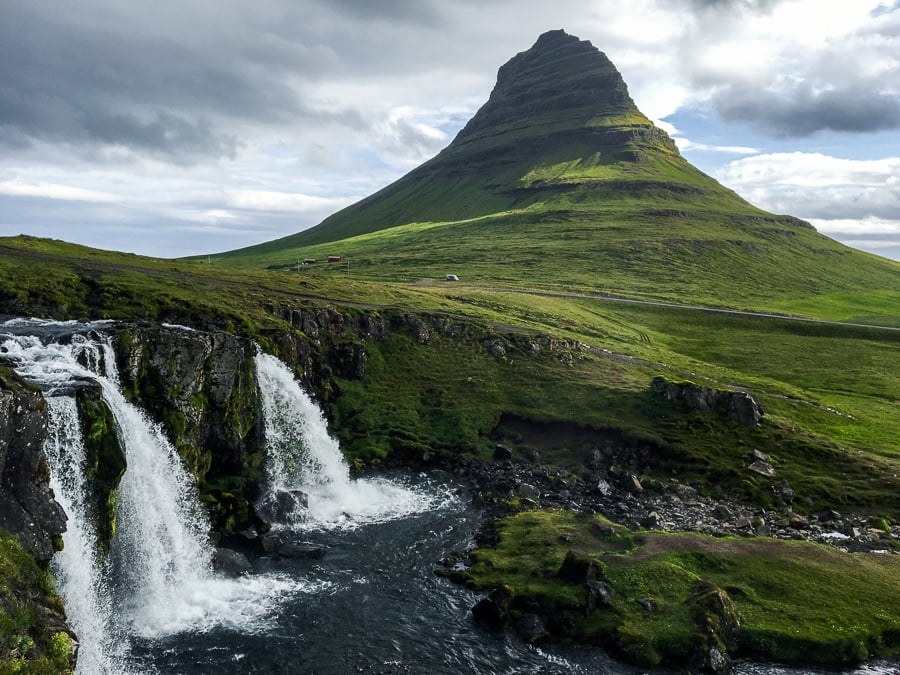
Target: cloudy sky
{"type": "Point", "coordinates": [179, 127]}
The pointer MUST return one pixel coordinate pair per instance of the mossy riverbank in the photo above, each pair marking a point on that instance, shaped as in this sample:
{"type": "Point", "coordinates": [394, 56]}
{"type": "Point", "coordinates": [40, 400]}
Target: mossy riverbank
{"type": "Point", "coordinates": [647, 595]}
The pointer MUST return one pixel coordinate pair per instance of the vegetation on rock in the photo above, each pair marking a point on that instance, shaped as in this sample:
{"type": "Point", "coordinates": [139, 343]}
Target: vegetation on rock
{"type": "Point", "coordinates": [677, 598]}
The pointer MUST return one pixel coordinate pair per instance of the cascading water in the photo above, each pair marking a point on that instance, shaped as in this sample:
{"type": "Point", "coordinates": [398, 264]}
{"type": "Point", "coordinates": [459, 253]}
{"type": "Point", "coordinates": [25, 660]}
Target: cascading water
{"type": "Point", "coordinates": [85, 592]}
{"type": "Point", "coordinates": [303, 457]}
{"type": "Point", "coordinates": [157, 579]}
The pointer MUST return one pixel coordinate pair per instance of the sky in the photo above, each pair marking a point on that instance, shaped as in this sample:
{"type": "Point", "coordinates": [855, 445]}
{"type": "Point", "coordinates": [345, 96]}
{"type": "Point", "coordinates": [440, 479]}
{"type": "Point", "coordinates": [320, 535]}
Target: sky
{"type": "Point", "coordinates": [183, 127]}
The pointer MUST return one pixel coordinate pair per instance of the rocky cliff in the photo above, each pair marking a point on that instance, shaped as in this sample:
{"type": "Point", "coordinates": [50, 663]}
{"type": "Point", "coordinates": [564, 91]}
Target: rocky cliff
{"type": "Point", "coordinates": [33, 634]}
{"type": "Point", "coordinates": [27, 507]}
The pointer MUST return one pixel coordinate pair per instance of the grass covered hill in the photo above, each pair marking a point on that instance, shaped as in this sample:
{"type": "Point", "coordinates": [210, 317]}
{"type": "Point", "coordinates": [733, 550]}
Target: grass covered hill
{"type": "Point", "coordinates": [560, 182]}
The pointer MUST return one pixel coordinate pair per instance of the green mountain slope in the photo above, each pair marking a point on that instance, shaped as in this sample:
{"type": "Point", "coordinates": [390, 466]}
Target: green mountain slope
{"type": "Point", "coordinates": [559, 181]}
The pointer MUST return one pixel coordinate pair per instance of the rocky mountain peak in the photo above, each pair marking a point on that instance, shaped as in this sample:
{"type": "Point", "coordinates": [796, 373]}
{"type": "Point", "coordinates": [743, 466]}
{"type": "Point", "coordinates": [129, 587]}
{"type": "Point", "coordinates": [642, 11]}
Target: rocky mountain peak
{"type": "Point", "coordinates": [561, 78]}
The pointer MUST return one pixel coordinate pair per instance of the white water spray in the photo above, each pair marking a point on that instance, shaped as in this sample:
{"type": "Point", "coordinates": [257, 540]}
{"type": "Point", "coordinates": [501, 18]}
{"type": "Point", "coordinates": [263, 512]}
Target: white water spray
{"type": "Point", "coordinates": [303, 457]}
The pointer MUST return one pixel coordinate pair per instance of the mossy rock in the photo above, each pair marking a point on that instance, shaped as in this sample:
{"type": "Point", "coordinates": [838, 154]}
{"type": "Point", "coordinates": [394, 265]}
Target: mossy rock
{"type": "Point", "coordinates": [105, 460]}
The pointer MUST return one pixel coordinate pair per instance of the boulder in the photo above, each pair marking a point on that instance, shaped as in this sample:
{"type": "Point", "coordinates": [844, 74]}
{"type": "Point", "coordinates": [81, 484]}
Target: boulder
{"type": "Point", "coordinates": [302, 550]}
{"type": "Point", "coordinates": [599, 594]}
{"type": "Point", "coordinates": [493, 611]}
{"type": "Point", "coordinates": [531, 628]}
{"type": "Point", "coordinates": [231, 563]}
{"type": "Point", "coordinates": [502, 452]}
{"type": "Point", "coordinates": [283, 505]}
{"type": "Point", "coordinates": [718, 626]}
{"type": "Point", "coordinates": [578, 567]}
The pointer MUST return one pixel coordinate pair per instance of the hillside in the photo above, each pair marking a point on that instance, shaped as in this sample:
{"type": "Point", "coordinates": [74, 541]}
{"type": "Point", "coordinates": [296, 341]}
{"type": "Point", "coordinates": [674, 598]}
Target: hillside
{"type": "Point", "coordinates": [560, 182]}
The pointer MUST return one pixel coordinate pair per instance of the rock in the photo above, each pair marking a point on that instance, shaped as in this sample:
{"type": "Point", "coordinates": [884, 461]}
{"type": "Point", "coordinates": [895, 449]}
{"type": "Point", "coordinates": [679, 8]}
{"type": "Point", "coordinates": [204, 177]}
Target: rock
{"type": "Point", "coordinates": [757, 456]}
{"type": "Point", "coordinates": [744, 409]}
{"type": "Point", "coordinates": [27, 507]}
{"type": "Point", "coordinates": [633, 484]}
{"type": "Point", "coordinates": [531, 628]}
{"type": "Point", "coordinates": [528, 491]}
{"type": "Point", "coordinates": [762, 468]}
{"type": "Point", "coordinates": [599, 594]}
{"type": "Point", "coordinates": [651, 520]}
{"type": "Point", "coordinates": [739, 406]}
{"type": "Point", "coordinates": [302, 550]}
{"type": "Point", "coordinates": [603, 488]}
{"type": "Point", "coordinates": [722, 512]}
{"type": "Point", "coordinates": [273, 540]}
{"type": "Point", "coordinates": [493, 611]}
{"type": "Point", "coordinates": [502, 452]}
{"type": "Point", "coordinates": [283, 505]}
{"type": "Point", "coordinates": [231, 563]}
{"type": "Point", "coordinates": [578, 567]}
{"type": "Point", "coordinates": [716, 617]}
{"type": "Point", "coordinates": [647, 604]}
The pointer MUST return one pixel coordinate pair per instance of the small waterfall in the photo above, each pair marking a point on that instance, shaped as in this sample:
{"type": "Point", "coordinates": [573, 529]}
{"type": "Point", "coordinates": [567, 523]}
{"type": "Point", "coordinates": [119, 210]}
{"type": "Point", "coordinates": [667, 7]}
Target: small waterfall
{"type": "Point", "coordinates": [85, 593]}
{"type": "Point", "coordinates": [304, 458]}
{"type": "Point", "coordinates": [157, 579]}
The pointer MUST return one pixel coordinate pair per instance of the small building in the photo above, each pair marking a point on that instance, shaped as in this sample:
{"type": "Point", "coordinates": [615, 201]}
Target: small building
{"type": "Point", "coordinates": [310, 261]}
{"type": "Point", "coordinates": [452, 277]}
{"type": "Point", "coordinates": [334, 258]}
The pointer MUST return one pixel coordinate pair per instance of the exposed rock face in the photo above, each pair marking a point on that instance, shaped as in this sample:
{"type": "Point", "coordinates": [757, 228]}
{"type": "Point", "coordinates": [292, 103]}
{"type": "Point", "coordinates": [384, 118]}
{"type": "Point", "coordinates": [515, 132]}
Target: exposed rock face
{"type": "Point", "coordinates": [564, 79]}
{"type": "Point", "coordinates": [201, 386]}
{"type": "Point", "coordinates": [27, 507]}
{"type": "Point", "coordinates": [737, 405]}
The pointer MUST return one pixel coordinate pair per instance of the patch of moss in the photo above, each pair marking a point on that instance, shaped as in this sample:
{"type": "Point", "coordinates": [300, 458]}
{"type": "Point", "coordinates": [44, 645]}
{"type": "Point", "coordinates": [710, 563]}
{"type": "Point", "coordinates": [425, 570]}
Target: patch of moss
{"type": "Point", "coordinates": [29, 644]}
{"type": "Point", "coordinates": [105, 461]}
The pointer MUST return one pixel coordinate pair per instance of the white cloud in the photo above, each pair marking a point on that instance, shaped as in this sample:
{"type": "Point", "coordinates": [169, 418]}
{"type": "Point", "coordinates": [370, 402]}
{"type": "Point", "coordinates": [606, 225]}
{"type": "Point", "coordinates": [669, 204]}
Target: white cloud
{"type": "Point", "coordinates": [814, 185]}
{"type": "Point", "coordinates": [865, 226]}
{"type": "Point", "coordinates": [270, 200]}
{"type": "Point", "coordinates": [685, 144]}
{"type": "Point", "coordinates": [19, 187]}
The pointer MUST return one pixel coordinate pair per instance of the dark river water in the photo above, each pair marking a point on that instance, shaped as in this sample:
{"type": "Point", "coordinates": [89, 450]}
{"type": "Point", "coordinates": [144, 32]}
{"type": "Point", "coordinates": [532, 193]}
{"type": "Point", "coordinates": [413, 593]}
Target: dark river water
{"type": "Point", "coordinates": [374, 605]}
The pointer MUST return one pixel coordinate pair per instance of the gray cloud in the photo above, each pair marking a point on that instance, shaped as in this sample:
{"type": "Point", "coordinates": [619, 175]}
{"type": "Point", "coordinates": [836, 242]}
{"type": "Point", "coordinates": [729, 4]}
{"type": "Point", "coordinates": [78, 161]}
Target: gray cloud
{"type": "Point", "coordinates": [802, 111]}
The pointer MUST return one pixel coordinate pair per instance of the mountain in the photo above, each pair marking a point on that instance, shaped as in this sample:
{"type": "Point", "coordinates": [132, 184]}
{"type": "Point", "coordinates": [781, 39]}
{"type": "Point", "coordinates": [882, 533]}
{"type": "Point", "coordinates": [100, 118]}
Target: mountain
{"type": "Point", "coordinates": [559, 181]}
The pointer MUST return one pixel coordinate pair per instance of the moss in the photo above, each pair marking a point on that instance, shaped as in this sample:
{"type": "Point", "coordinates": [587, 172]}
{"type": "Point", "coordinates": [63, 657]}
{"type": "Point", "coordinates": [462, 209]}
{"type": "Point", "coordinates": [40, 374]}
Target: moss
{"type": "Point", "coordinates": [678, 596]}
{"type": "Point", "coordinates": [29, 644]}
{"type": "Point", "coordinates": [105, 461]}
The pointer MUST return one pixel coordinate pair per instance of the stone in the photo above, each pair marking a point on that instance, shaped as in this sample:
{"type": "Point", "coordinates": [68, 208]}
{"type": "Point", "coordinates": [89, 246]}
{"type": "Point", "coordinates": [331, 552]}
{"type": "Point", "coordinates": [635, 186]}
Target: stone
{"type": "Point", "coordinates": [715, 615]}
{"type": "Point", "coordinates": [283, 505]}
{"type": "Point", "coordinates": [603, 488]}
{"type": "Point", "coordinates": [633, 484]}
{"type": "Point", "coordinates": [762, 468]}
{"type": "Point", "coordinates": [599, 594]}
{"type": "Point", "coordinates": [531, 628]}
{"type": "Point", "coordinates": [647, 603]}
{"type": "Point", "coordinates": [502, 452]}
{"type": "Point", "coordinates": [231, 563]}
{"type": "Point", "coordinates": [528, 491]}
{"type": "Point", "coordinates": [302, 550]}
{"type": "Point", "coordinates": [744, 409]}
{"type": "Point", "coordinates": [492, 612]}
{"type": "Point", "coordinates": [578, 567]}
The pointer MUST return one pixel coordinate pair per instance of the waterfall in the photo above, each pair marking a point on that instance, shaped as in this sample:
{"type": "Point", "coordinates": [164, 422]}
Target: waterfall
{"type": "Point", "coordinates": [85, 593]}
{"type": "Point", "coordinates": [302, 458]}
{"type": "Point", "coordinates": [157, 579]}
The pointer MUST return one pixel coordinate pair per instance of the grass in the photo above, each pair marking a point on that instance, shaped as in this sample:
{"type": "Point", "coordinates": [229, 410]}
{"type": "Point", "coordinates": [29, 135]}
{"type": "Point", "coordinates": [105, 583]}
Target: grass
{"type": "Point", "coordinates": [797, 602]}
{"type": "Point", "coordinates": [830, 391]}
{"type": "Point", "coordinates": [28, 645]}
